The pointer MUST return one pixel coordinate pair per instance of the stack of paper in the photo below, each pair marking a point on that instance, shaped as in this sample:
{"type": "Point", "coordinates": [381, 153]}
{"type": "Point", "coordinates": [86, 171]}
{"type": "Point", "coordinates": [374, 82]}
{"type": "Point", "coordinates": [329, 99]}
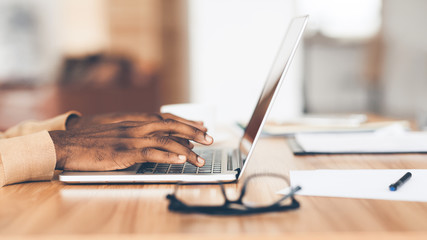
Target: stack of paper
{"type": "Point", "coordinates": [363, 143]}
{"type": "Point", "coordinates": [392, 139]}
{"type": "Point", "coordinates": [371, 184]}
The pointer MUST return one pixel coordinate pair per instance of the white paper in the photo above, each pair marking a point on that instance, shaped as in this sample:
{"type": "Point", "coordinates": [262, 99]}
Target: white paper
{"type": "Point", "coordinates": [292, 128]}
{"type": "Point", "coordinates": [363, 142]}
{"type": "Point", "coordinates": [334, 120]}
{"type": "Point", "coordinates": [370, 184]}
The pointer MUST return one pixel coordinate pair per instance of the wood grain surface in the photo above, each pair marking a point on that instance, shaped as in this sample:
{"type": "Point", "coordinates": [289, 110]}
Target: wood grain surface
{"type": "Point", "coordinates": [52, 209]}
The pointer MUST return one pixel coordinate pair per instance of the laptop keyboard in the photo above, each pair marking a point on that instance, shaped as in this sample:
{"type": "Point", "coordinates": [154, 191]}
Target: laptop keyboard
{"type": "Point", "coordinates": [212, 165]}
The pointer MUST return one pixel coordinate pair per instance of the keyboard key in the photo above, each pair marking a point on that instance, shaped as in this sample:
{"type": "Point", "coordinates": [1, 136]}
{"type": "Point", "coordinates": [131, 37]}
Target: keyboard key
{"type": "Point", "coordinates": [150, 164]}
{"type": "Point", "coordinates": [175, 171]}
{"type": "Point", "coordinates": [163, 165]}
{"type": "Point", "coordinates": [175, 168]}
{"type": "Point", "coordinates": [162, 170]}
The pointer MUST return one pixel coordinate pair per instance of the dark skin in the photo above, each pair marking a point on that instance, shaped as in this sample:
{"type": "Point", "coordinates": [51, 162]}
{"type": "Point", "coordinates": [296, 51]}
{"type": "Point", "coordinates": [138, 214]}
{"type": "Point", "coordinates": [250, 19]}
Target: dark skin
{"type": "Point", "coordinates": [119, 140]}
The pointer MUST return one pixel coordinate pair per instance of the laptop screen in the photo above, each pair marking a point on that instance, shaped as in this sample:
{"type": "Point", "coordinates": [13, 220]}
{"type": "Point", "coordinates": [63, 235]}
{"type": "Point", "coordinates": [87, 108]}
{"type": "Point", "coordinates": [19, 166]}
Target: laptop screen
{"type": "Point", "coordinates": [274, 79]}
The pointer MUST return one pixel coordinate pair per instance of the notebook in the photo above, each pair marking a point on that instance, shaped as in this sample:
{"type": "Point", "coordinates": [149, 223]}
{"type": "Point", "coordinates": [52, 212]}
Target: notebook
{"type": "Point", "coordinates": [225, 165]}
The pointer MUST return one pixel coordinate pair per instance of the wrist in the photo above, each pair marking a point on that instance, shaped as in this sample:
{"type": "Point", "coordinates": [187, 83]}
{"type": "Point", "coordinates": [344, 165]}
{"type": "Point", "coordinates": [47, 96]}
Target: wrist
{"type": "Point", "coordinates": [57, 139]}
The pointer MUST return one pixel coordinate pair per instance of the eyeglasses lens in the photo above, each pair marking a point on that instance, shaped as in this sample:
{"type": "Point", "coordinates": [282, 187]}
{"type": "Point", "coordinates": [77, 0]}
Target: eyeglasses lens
{"type": "Point", "coordinates": [200, 195]}
{"type": "Point", "coordinates": [262, 191]}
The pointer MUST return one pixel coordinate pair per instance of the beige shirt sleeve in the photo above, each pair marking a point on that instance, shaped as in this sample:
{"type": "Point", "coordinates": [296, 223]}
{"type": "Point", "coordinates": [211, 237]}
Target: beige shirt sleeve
{"type": "Point", "coordinates": [27, 152]}
{"type": "Point", "coordinates": [28, 127]}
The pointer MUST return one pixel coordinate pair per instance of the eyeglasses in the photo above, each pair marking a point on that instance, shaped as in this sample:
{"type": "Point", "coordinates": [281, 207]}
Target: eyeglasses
{"type": "Point", "coordinates": [259, 194]}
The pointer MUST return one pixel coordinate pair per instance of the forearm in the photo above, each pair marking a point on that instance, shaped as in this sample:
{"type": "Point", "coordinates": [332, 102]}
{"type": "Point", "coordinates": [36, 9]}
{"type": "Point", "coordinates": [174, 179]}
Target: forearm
{"type": "Point", "coordinates": [27, 152]}
{"type": "Point", "coordinates": [27, 158]}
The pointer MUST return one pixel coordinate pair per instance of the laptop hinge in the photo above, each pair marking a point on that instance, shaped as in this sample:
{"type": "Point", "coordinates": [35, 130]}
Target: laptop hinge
{"type": "Point", "coordinates": [233, 160]}
{"type": "Point", "coordinates": [237, 172]}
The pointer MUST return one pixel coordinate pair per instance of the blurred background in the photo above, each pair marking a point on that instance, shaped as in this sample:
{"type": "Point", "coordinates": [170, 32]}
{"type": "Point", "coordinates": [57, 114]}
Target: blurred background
{"type": "Point", "coordinates": [97, 56]}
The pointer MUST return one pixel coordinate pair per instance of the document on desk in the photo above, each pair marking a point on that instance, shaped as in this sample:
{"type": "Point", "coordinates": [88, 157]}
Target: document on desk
{"type": "Point", "coordinates": [405, 142]}
{"type": "Point", "coordinates": [369, 184]}
{"type": "Point", "coordinates": [352, 123]}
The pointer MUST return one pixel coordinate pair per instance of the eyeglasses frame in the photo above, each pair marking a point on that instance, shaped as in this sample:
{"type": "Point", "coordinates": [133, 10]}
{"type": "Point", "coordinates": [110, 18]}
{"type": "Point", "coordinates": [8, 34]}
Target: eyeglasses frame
{"type": "Point", "coordinates": [239, 207]}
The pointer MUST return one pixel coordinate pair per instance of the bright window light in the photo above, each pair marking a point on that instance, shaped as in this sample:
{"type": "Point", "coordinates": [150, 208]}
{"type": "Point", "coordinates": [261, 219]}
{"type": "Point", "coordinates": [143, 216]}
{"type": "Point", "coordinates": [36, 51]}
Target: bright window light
{"type": "Point", "coordinates": [343, 18]}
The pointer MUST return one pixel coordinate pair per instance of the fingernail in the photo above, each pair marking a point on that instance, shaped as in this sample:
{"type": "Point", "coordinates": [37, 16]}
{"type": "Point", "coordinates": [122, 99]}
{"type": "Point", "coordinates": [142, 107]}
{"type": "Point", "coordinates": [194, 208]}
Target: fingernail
{"type": "Point", "coordinates": [208, 138]}
{"type": "Point", "coordinates": [200, 160]}
{"type": "Point", "coordinates": [182, 157]}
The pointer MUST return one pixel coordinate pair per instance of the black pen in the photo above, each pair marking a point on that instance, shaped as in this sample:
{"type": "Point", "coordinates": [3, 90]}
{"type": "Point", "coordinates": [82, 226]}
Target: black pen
{"type": "Point", "coordinates": [400, 182]}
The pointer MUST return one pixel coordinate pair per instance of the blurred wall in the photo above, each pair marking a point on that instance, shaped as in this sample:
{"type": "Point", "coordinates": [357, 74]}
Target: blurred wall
{"type": "Point", "coordinates": [334, 80]}
{"type": "Point", "coordinates": [30, 50]}
{"type": "Point", "coordinates": [341, 56]}
{"type": "Point", "coordinates": [175, 76]}
{"type": "Point", "coordinates": [152, 32]}
{"type": "Point", "coordinates": [38, 38]}
{"type": "Point", "coordinates": [383, 74]}
{"type": "Point", "coordinates": [128, 27]}
{"type": "Point", "coordinates": [83, 27]}
{"type": "Point", "coordinates": [232, 46]}
{"type": "Point", "coordinates": [404, 73]}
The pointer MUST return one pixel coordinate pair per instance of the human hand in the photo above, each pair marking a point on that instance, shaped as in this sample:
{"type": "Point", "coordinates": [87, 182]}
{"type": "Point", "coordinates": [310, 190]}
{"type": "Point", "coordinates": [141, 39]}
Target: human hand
{"type": "Point", "coordinates": [75, 121]}
{"type": "Point", "coordinates": [120, 145]}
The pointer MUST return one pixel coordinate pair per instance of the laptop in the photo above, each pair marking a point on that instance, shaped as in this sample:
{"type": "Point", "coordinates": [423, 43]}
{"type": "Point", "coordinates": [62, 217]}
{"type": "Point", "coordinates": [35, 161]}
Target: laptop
{"type": "Point", "coordinates": [225, 165]}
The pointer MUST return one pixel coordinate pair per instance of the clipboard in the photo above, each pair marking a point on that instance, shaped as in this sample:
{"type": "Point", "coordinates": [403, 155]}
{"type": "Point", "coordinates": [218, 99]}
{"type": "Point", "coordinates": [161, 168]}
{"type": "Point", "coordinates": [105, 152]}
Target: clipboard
{"type": "Point", "coordinates": [298, 150]}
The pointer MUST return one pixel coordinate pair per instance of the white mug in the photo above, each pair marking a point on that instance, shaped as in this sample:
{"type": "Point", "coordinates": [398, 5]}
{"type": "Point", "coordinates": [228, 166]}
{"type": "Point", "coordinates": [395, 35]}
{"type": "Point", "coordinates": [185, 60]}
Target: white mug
{"type": "Point", "coordinates": [195, 112]}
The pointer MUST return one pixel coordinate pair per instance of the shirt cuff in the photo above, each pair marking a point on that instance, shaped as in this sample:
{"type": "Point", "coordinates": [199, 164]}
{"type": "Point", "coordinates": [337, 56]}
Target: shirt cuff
{"type": "Point", "coordinates": [27, 158]}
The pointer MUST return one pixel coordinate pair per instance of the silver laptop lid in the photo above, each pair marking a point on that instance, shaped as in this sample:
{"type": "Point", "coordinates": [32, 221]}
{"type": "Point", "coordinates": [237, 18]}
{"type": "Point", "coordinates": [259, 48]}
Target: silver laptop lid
{"type": "Point", "coordinates": [274, 80]}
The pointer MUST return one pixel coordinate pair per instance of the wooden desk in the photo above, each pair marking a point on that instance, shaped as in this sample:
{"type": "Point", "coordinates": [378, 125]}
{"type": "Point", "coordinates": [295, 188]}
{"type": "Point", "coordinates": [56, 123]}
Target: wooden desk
{"type": "Point", "coordinates": [49, 209]}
